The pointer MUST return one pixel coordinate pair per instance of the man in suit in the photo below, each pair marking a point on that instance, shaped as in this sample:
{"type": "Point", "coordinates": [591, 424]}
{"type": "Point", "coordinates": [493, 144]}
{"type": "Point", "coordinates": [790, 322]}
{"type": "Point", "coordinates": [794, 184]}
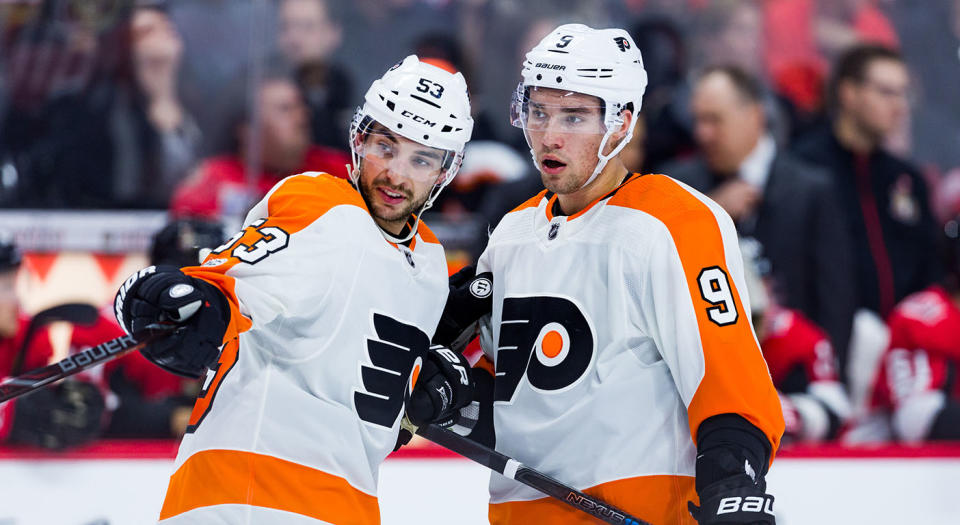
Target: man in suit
{"type": "Point", "coordinates": [789, 207]}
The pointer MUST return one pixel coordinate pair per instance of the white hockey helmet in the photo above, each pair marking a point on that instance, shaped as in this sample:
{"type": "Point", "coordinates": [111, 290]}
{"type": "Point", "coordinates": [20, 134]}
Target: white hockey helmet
{"type": "Point", "coordinates": [423, 103]}
{"type": "Point", "coordinates": [604, 63]}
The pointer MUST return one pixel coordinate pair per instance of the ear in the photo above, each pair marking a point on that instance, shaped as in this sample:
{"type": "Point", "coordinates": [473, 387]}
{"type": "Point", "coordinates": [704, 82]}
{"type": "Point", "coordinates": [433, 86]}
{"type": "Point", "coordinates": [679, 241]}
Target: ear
{"type": "Point", "coordinates": [620, 133]}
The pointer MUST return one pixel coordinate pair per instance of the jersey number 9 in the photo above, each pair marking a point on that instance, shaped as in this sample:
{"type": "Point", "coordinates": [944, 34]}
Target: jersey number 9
{"type": "Point", "coordinates": [715, 289]}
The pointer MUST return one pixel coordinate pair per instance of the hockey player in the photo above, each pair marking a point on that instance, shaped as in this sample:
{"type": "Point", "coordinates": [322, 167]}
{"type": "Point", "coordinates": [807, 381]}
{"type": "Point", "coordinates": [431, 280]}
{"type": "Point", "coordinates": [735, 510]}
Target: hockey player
{"type": "Point", "coordinates": [321, 312]}
{"type": "Point", "coordinates": [624, 360]}
{"type": "Point", "coordinates": [917, 379]}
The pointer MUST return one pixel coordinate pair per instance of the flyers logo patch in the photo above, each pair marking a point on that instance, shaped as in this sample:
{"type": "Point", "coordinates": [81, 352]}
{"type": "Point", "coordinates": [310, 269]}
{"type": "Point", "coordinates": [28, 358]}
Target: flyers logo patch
{"type": "Point", "coordinates": [396, 354]}
{"type": "Point", "coordinates": [547, 340]}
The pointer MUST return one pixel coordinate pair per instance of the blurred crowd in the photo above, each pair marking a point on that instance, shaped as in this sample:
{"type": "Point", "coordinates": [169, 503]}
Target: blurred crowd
{"type": "Point", "coordinates": [828, 130]}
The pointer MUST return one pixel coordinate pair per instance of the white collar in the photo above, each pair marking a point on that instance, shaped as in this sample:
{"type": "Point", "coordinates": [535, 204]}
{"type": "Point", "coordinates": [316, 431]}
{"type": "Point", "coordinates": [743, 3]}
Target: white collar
{"type": "Point", "coordinates": [755, 169]}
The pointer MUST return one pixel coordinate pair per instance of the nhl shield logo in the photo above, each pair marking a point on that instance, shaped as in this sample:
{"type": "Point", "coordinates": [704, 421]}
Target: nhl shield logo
{"type": "Point", "coordinates": [622, 43]}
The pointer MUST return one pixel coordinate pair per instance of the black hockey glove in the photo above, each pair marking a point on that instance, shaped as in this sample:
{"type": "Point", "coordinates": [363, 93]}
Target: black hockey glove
{"type": "Point", "coordinates": [732, 460]}
{"type": "Point", "coordinates": [165, 295]}
{"type": "Point", "coordinates": [471, 297]}
{"type": "Point", "coordinates": [445, 385]}
{"type": "Point", "coordinates": [58, 417]}
{"type": "Point", "coordinates": [466, 413]}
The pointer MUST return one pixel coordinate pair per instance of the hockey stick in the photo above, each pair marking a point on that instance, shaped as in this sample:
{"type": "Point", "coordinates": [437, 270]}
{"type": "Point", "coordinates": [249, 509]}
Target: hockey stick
{"type": "Point", "coordinates": [513, 469]}
{"type": "Point", "coordinates": [82, 360]}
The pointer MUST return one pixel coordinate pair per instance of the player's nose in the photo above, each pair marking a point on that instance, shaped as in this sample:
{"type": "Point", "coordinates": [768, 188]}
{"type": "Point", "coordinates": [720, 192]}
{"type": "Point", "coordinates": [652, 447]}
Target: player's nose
{"type": "Point", "coordinates": [552, 139]}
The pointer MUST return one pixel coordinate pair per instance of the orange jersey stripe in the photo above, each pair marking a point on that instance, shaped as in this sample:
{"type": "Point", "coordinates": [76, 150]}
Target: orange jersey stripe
{"type": "Point", "coordinates": [661, 500]}
{"type": "Point", "coordinates": [220, 477]}
{"type": "Point", "coordinates": [295, 204]}
{"type": "Point", "coordinates": [427, 234]}
{"type": "Point", "coordinates": [736, 379]}
{"type": "Point", "coordinates": [553, 200]}
{"type": "Point", "coordinates": [532, 202]}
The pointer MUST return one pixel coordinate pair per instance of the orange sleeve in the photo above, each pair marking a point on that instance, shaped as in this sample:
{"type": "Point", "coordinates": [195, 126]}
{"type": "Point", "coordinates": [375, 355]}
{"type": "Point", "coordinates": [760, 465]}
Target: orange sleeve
{"type": "Point", "coordinates": [292, 205]}
{"type": "Point", "coordinates": [696, 262]}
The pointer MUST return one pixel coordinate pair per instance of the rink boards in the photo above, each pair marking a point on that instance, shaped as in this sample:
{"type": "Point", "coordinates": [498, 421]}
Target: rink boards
{"type": "Point", "coordinates": [123, 483]}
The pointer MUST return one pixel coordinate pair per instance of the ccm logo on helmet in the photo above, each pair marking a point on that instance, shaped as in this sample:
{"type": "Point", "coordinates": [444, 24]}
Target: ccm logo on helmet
{"type": "Point", "coordinates": [417, 118]}
{"type": "Point", "coordinates": [556, 67]}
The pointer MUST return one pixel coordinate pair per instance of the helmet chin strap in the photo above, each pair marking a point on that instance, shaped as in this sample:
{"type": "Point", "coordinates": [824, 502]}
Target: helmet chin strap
{"type": "Point", "coordinates": [413, 230]}
{"type": "Point", "coordinates": [354, 174]}
{"type": "Point", "coordinates": [603, 159]}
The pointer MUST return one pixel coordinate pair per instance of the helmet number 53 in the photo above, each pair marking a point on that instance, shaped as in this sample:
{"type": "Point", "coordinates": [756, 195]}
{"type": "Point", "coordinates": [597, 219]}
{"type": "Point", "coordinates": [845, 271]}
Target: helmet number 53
{"type": "Point", "coordinates": [431, 88]}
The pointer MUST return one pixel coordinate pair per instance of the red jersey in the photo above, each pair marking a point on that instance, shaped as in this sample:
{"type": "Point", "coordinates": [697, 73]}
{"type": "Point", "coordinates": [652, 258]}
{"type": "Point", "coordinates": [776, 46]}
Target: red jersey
{"type": "Point", "coordinates": [804, 370]}
{"type": "Point", "coordinates": [924, 348]}
{"type": "Point", "coordinates": [797, 351]}
{"type": "Point", "coordinates": [38, 355]}
{"type": "Point", "coordinates": [219, 185]}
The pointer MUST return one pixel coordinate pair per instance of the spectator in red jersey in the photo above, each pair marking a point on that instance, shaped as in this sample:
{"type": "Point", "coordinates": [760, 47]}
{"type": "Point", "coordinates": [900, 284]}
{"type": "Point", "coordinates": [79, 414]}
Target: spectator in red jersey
{"type": "Point", "coordinates": [279, 144]}
{"type": "Point", "coordinates": [801, 359]}
{"type": "Point", "coordinates": [917, 381]}
{"type": "Point", "coordinates": [64, 415]}
{"type": "Point", "coordinates": [153, 403]}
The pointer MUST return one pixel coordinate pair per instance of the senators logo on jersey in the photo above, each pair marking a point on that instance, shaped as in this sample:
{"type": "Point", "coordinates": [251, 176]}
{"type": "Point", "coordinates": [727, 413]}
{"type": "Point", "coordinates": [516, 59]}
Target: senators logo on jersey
{"type": "Point", "coordinates": [548, 340]}
{"type": "Point", "coordinates": [397, 352]}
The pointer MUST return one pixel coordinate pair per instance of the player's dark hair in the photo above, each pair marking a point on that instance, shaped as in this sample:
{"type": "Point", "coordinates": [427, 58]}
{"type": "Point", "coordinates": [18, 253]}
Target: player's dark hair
{"type": "Point", "coordinates": [852, 66]}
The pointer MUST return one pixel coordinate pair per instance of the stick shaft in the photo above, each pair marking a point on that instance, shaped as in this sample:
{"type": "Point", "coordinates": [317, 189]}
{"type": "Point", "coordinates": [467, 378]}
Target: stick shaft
{"type": "Point", "coordinates": [82, 360]}
{"type": "Point", "coordinates": [515, 470]}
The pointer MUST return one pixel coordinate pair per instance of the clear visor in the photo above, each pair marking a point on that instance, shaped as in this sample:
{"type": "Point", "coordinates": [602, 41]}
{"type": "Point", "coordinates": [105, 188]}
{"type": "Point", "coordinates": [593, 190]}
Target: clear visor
{"type": "Point", "coordinates": [383, 149]}
{"type": "Point", "coordinates": [540, 110]}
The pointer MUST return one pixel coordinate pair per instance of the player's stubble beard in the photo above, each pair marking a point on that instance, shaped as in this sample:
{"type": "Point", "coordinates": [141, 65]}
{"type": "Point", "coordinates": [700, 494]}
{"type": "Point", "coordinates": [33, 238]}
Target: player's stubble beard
{"type": "Point", "coordinates": [396, 217]}
{"type": "Point", "coordinates": [569, 181]}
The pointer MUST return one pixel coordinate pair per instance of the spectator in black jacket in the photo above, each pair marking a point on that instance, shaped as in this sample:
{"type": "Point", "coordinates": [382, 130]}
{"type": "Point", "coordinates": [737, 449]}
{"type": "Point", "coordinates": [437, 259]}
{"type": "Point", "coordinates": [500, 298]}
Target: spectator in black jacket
{"type": "Point", "coordinates": [884, 197]}
{"type": "Point", "coordinates": [786, 205]}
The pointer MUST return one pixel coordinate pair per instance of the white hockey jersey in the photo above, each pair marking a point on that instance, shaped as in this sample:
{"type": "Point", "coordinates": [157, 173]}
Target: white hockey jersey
{"type": "Point", "coordinates": [329, 325]}
{"type": "Point", "coordinates": [615, 331]}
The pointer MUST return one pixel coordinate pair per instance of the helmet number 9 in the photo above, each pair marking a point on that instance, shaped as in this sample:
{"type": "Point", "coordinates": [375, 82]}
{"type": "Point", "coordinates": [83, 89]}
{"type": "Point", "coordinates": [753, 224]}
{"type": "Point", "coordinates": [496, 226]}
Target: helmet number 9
{"type": "Point", "coordinates": [431, 88]}
{"type": "Point", "coordinates": [715, 289]}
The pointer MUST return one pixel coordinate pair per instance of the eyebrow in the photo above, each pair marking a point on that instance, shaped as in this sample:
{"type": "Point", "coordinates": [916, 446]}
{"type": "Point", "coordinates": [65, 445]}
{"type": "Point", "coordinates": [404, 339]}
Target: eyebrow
{"type": "Point", "coordinates": [383, 131]}
{"type": "Point", "coordinates": [569, 109]}
{"type": "Point", "coordinates": [429, 154]}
